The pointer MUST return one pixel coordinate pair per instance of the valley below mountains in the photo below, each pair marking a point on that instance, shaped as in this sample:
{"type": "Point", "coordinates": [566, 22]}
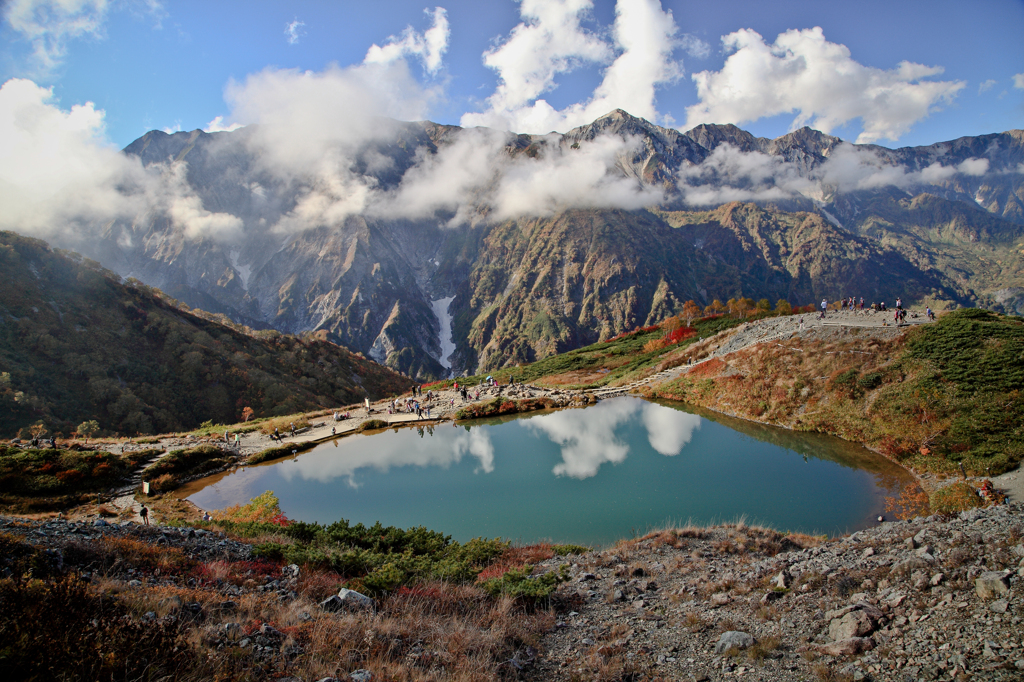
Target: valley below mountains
{"type": "Point", "coordinates": [504, 249]}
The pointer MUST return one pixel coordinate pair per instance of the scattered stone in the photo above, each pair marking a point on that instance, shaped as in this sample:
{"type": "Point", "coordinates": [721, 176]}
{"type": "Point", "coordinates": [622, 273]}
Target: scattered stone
{"type": "Point", "coordinates": [783, 580]}
{"type": "Point", "coordinates": [992, 584]}
{"type": "Point", "coordinates": [733, 639]}
{"type": "Point", "coordinates": [848, 647]}
{"type": "Point", "coordinates": [999, 606]}
{"type": "Point", "coordinates": [720, 599]}
{"type": "Point", "coordinates": [361, 675]}
{"type": "Point", "coordinates": [853, 624]}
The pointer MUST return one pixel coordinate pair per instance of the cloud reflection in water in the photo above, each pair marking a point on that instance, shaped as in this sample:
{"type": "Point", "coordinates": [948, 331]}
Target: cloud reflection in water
{"type": "Point", "coordinates": [587, 437]}
{"type": "Point", "coordinates": [384, 453]}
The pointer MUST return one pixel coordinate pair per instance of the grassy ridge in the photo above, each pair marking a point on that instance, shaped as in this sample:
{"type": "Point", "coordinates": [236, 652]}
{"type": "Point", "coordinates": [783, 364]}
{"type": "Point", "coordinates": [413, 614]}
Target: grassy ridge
{"type": "Point", "coordinates": [942, 396]}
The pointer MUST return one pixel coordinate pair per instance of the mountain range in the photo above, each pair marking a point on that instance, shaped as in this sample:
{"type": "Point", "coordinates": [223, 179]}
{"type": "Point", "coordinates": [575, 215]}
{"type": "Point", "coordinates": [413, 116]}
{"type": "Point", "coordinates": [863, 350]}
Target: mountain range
{"type": "Point", "coordinates": [436, 249]}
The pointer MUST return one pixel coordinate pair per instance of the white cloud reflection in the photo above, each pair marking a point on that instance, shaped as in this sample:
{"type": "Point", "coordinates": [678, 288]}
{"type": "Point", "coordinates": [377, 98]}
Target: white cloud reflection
{"type": "Point", "coordinates": [384, 453]}
{"type": "Point", "coordinates": [588, 440]}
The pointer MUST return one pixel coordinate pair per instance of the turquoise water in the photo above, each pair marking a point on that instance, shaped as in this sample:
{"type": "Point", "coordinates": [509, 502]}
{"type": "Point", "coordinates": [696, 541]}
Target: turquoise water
{"type": "Point", "coordinates": [588, 476]}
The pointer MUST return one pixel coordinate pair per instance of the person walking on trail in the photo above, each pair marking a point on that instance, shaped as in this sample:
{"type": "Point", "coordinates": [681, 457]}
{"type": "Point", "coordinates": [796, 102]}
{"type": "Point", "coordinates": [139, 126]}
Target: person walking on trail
{"type": "Point", "coordinates": [236, 441]}
{"type": "Point", "coordinates": [824, 307]}
{"type": "Point", "coordinates": [144, 513]}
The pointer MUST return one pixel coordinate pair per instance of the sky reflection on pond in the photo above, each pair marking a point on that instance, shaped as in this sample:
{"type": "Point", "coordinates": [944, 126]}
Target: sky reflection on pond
{"type": "Point", "coordinates": [589, 475]}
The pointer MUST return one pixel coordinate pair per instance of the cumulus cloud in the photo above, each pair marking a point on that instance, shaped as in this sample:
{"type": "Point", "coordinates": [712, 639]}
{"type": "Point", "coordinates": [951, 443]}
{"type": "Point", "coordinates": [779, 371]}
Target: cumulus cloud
{"type": "Point", "coordinates": [312, 136]}
{"type": "Point", "coordinates": [61, 181]}
{"type": "Point", "coordinates": [429, 47]}
{"type": "Point", "coordinates": [804, 73]}
{"type": "Point", "coordinates": [50, 24]}
{"type": "Point", "coordinates": [475, 172]}
{"type": "Point", "coordinates": [293, 31]}
{"type": "Point", "coordinates": [217, 126]}
{"type": "Point", "coordinates": [985, 86]}
{"type": "Point", "coordinates": [730, 174]}
{"type": "Point", "coordinates": [551, 40]}
{"type": "Point", "coordinates": [1018, 81]}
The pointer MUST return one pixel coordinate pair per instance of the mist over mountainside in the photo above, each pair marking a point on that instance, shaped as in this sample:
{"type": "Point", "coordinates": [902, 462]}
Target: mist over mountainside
{"type": "Point", "coordinates": [546, 242]}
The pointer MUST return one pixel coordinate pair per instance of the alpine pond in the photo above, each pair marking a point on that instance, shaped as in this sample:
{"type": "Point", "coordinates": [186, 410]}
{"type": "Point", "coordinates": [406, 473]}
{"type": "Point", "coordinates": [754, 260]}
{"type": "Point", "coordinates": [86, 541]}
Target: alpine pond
{"type": "Point", "coordinates": [593, 475]}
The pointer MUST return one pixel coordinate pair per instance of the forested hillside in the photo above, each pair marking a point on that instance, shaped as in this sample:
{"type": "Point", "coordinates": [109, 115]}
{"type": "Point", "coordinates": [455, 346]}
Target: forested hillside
{"type": "Point", "coordinates": [77, 344]}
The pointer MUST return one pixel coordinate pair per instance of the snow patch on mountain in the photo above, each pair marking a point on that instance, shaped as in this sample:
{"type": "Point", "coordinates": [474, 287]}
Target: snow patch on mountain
{"type": "Point", "coordinates": [445, 337]}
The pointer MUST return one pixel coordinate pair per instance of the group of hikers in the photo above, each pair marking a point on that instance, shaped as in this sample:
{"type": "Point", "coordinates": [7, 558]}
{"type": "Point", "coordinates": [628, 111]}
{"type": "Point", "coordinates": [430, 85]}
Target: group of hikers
{"type": "Point", "coordinates": [853, 303]}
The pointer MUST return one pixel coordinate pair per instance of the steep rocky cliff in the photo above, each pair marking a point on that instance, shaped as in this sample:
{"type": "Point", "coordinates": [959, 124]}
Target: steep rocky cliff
{"type": "Point", "coordinates": [823, 218]}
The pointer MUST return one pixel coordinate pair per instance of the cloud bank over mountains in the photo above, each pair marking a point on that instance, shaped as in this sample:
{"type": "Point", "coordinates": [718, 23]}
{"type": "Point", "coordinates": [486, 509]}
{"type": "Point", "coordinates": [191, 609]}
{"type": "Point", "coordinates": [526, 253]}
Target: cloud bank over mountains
{"type": "Point", "coordinates": [321, 132]}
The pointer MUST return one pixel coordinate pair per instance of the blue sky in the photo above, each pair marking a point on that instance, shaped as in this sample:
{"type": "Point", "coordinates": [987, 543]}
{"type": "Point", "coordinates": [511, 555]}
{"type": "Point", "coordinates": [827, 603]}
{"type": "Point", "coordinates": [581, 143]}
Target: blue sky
{"type": "Point", "coordinates": [167, 65]}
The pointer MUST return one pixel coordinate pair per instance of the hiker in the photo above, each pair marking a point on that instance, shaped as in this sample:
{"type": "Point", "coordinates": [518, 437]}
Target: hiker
{"type": "Point", "coordinates": [206, 516]}
{"type": "Point", "coordinates": [333, 430]}
{"type": "Point", "coordinates": [293, 429]}
{"type": "Point", "coordinates": [144, 513]}
{"type": "Point", "coordinates": [236, 441]}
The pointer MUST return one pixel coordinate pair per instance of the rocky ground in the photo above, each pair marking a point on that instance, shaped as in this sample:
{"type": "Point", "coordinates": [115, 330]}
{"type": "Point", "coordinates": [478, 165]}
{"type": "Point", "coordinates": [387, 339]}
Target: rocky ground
{"type": "Point", "coordinates": [928, 599]}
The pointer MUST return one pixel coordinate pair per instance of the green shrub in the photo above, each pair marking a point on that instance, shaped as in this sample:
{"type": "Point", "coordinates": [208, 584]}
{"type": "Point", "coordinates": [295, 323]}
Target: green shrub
{"type": "Point", "coordinates": [955, 498]}
{"type": "Point", "coordinates": [519, 583]}
{"type": "Point", "coordinates": [199, 459]}
{"type": "Point", "coordinates": [279, 452]}
{"type": "Point", "coordinates": [371, 424]}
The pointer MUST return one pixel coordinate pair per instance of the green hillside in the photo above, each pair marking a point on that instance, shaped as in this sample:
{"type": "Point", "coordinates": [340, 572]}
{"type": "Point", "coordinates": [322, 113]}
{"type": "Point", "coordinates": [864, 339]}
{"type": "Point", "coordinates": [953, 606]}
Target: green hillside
{"type": "Point", "coordinates": [77, 344]}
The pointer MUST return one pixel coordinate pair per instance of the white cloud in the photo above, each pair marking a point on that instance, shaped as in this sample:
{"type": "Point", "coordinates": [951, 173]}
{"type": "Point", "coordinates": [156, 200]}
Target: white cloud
{"type": "Point", "coordinates": [729, 174]}
{"type": "Point", "coordinates": [62, 181]}
{"type": "Point", "coordinates": [1018, 81]}
{"type": "Point", "coordinates": [217, 126]}
{"type": "Point", "coordinates": [560, 178]}
{"type": "Point", "coordinates": [475, 172]}
{"type": "Point", "coordinates": [50, 24]}
{"type": "Point", "coordinates": [429, 46]}
{"type": "Point", "coordinates": [694, 46]}
{"type": "Point", "coordinates": [804, 73]}
{"type": "Point", "coordinates": [293, 31]}
{"type": "Point", "coordinates": [974, 167]}
{"type": "Point", "coordinates": [551, 41]}
{"type": "Point", "coordinates": [311, 135]}
{"type": "Point", "coordinates": [985, 86]}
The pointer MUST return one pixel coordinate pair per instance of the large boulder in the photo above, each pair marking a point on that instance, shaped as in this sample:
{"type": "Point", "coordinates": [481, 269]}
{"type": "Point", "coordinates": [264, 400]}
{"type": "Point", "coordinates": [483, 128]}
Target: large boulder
{"type": "Point", "coordinates": [733, 639]}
